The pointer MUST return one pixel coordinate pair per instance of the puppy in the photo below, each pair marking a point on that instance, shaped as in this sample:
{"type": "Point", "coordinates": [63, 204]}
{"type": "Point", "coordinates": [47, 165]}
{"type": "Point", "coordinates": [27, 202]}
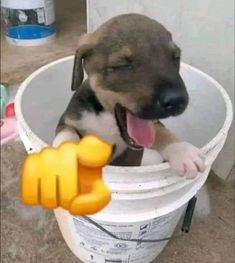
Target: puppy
{"type": "Point", "coordinates": [133, 80]}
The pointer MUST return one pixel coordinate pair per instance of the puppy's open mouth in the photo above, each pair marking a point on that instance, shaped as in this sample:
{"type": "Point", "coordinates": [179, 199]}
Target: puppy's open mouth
{"type": "Point", "coordinates": [136, 132]}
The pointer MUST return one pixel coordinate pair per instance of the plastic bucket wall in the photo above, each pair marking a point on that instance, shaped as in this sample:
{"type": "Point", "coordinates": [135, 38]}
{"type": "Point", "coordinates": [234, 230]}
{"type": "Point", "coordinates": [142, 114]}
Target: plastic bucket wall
{"type": "Point", "coordinates": [147, 202]}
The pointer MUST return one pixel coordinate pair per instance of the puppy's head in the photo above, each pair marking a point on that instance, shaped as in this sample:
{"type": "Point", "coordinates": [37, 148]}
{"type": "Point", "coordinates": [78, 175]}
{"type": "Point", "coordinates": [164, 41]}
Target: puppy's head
{"type": "Point", "coordinates": [133, 67]}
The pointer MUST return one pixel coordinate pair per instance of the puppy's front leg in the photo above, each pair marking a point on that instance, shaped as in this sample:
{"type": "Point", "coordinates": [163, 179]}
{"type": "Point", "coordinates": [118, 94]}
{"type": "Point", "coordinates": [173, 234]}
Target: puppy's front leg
{"type": "Point", "coordinates": [186, 159]}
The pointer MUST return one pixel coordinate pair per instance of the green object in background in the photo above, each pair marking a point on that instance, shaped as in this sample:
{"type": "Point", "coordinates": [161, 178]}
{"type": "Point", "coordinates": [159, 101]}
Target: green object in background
{"type": "Point", "coordinates": [4, 98]}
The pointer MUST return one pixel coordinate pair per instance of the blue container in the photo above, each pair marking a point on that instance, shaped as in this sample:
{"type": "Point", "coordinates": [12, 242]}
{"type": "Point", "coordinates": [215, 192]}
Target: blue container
{"type": "Point", "coordinates": [28, 22]}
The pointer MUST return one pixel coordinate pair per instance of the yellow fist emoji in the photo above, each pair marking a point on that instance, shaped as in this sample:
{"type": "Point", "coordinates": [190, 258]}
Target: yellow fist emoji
{"type": "Point", "coordinates": [69, 176]}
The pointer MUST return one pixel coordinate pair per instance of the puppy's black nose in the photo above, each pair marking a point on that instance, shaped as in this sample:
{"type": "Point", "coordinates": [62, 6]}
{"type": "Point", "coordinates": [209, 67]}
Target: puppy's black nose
{"type": "Point", "coordinates": [173, 101]}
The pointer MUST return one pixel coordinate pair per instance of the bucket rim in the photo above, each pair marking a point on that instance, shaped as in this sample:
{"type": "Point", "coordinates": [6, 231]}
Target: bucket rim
{"type": "Point", "coordinates": [207, 149]}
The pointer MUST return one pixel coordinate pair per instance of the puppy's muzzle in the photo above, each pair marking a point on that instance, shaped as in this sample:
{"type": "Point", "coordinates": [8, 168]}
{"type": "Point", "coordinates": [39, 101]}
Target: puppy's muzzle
{"type": "Point", "coordinates": [170, 100]}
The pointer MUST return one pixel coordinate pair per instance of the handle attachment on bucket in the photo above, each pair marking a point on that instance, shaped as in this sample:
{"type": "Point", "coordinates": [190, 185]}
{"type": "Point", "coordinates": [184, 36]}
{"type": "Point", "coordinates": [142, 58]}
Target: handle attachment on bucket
{"type": "Point", "coordinates": [69, 176]}
{"type": "Point", "coordinates": [189, 215]}
{"type": "Point", "coordinates": [184, 229]}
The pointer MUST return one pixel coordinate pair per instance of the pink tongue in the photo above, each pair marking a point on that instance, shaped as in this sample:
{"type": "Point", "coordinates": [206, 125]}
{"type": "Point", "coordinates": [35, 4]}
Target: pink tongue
{"type": "Point", "coordinates": [139, 130]}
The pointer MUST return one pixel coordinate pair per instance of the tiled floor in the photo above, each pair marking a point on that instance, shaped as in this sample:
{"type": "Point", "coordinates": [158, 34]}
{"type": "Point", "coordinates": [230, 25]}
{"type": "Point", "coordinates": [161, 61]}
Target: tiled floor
{"type": "Point", "coordinates": [31, 235]}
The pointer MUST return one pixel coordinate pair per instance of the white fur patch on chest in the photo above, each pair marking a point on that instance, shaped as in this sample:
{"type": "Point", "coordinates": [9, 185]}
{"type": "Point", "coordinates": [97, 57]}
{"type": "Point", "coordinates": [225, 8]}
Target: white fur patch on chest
{"type": "Point", "coordinates": [105, 126]}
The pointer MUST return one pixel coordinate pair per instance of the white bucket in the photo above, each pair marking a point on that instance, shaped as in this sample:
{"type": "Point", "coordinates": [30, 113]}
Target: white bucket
{"type": "Point", "coordinates": [28, 22]}
{"type": "Point", "coordinates": [147, 201]}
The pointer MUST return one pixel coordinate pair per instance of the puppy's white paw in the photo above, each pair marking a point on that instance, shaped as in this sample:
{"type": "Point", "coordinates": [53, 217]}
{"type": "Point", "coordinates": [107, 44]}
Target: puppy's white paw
{"type": "Point", "coordinates": [66, 134]}
{"type": "Point", "coordinates": [186, 159]}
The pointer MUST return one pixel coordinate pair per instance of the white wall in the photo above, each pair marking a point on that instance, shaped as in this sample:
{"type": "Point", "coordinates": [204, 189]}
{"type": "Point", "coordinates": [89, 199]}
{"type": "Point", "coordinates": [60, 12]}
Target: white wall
{"type": "Point", "coordinates": [204, 29]}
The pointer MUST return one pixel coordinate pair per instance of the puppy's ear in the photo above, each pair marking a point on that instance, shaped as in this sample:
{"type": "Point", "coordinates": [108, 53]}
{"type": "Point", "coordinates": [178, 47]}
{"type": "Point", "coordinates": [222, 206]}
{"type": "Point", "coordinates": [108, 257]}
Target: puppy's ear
{"type": "Point", "coordinates": [78, 73]}
{"type": "Point", "coordinates": [86, 44]}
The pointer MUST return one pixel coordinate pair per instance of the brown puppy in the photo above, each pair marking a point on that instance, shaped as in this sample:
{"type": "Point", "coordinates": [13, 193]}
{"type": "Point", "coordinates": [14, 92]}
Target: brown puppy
{"type": "Point", "coordinates": [133, 80]}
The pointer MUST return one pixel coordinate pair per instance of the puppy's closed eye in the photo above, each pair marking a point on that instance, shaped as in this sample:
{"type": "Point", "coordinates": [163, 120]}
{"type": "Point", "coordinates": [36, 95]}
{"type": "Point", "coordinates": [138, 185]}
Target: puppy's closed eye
{"type": "Point", "coordinates": [121, 67]}
{"type": "Point", "coordinates": [120, 61]}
